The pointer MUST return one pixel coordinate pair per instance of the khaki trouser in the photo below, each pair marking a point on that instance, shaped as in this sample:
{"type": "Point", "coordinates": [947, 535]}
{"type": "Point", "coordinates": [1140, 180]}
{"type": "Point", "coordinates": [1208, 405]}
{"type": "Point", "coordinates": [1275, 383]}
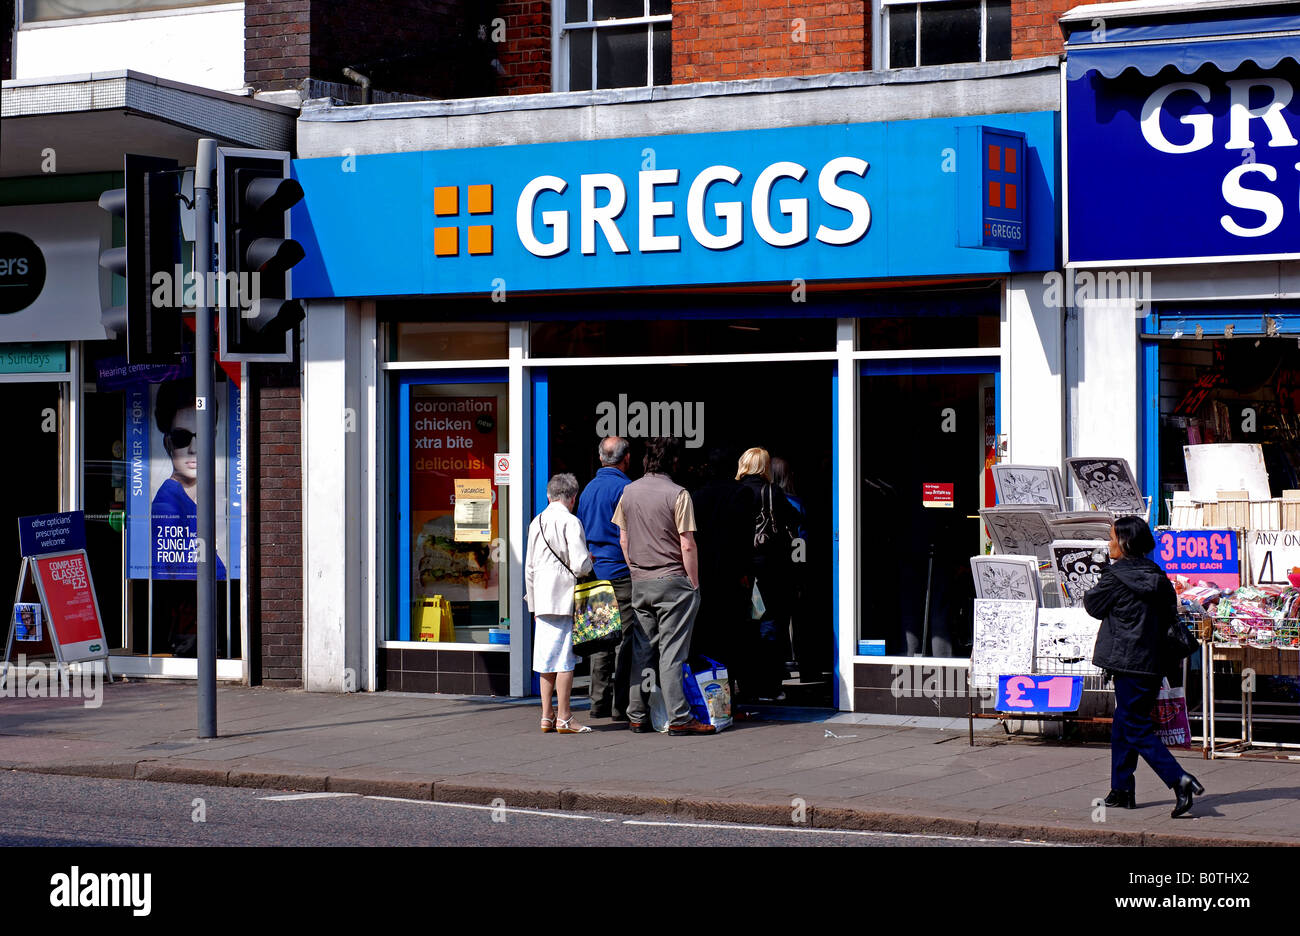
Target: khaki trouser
{"type": "Point", "coordinates": [665, 616]}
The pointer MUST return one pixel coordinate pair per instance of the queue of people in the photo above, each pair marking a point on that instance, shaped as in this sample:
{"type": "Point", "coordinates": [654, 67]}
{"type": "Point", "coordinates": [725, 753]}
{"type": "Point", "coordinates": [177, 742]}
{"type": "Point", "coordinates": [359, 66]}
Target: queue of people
{"type": "Point", "coordinates": [730, 550]}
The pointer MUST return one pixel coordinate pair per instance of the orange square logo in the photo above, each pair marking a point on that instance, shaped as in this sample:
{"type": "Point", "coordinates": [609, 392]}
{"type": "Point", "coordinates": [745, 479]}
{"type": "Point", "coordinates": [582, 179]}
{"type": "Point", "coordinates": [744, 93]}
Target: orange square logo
{"type": "Point", "coordinates": [446, 200]}
{"type": "Point", "coordinates": [480, 239]}
{"type": "Point", "coordinates": [1010, 161]}
{"type": "Point", "coordinates": [995, 158]}
{"type": "Point", "coordinates": [480, 200]}
{"type": "Point", "coordinates": [446, 241]}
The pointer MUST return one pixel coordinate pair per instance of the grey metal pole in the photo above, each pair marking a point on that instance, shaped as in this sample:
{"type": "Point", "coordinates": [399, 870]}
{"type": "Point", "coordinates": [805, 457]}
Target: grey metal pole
{"type": "Point", "coordinates": [206, 566]}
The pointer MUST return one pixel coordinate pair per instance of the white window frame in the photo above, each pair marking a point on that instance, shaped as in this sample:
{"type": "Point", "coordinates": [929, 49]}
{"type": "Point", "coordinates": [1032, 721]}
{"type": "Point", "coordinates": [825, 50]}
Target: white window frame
{"type": "Point", "coordinates": [882, 54]}
{"type": "Point", "coordinates": [562, 35]}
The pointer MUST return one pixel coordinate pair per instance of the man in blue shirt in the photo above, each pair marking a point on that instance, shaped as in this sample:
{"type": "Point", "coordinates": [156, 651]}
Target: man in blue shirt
{"type": "Point", "coordinates": [596, 511]}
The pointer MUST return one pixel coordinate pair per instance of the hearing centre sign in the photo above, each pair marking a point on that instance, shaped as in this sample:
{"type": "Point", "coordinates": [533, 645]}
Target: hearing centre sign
{"type": "Point", "coordinates": [848, 201]}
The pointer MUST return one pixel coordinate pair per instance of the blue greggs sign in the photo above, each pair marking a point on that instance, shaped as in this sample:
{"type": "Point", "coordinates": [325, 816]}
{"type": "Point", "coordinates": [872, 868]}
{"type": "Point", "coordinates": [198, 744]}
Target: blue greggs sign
{"type": "Point", "coordinates": [1183, 167]}
{"type": "Point", "coordinates": [849, 201]}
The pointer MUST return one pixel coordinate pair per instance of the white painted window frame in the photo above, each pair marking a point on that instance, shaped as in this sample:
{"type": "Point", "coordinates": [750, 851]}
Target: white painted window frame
{"type": "Point", "coordinates": [561, 33]}
{"type": "Point", "coordinates": [882, 53]}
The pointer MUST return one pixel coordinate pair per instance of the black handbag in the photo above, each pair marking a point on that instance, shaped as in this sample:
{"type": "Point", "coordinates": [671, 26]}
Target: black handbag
{"type": "Point", "coordinates": [1180, 642]}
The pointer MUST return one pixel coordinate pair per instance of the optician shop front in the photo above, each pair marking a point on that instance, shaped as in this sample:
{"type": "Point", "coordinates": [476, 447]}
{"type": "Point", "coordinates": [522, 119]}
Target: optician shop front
{"type": "Point", "coordinates": [861, 299]}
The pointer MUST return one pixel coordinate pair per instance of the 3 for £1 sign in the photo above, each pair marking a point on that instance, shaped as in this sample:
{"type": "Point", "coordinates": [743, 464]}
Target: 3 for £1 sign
{"type": "Point", "coordinates": [1200, 555]}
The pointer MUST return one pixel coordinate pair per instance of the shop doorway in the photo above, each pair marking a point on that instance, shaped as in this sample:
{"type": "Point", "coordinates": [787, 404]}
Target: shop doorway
{"type": "Point", "coordinates": [32, 473]}
{"type": "Point", "coordinates": [926, 444]}
{"type": "Point", "coordinates": [718, 411]}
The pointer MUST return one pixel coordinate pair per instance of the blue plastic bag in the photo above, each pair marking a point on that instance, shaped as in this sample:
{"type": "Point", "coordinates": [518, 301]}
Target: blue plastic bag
{"type": "Point", "coordinates": [708, 693]}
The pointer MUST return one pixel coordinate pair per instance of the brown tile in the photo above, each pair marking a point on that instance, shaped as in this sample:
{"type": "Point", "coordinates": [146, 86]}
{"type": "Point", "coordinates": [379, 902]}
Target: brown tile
{"type": "Point", "coordinates": [456, 683]}
{"type": "Point", "coordinates": [456, 661]}
{"type": "Point", "coordinates": [874, 702]}
{"type": "Point", "coordinates": [419, 682]}
{"type": "Point", "coordinates": [420, 661]}
{"type": "Point", "coordinates": [872, 676]}
{"type": "Point", "coordinates": [494, 684]}
{"type": "Point", "coordinates": [390, 658]}
{"type": "Point", "coordinates": [491, 663]}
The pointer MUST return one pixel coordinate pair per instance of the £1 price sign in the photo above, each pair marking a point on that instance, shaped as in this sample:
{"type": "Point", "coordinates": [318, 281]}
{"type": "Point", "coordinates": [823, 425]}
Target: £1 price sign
{"type": "Point", "coordinates": [1039, 693]}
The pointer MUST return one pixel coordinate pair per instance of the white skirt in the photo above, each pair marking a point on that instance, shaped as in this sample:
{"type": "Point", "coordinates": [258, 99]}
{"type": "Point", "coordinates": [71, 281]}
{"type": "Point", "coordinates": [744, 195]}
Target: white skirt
{"type": "Point", "coordinates": [553, 644]}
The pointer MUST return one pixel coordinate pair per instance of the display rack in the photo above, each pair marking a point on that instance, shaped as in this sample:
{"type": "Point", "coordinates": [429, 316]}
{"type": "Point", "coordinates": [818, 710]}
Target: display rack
{"type": "Point", "coordinates": [1049, 666]}
{"type": "Point", "coordinates": [1234, 640]}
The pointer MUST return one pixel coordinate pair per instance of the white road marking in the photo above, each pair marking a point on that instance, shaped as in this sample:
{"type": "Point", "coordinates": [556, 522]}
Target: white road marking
{"type": "Point", "coordinates": [758, 828]}
{"type": "Point", "coordinates": [300, 796]}
{"type": "Point", "coordinates": [509, 809]}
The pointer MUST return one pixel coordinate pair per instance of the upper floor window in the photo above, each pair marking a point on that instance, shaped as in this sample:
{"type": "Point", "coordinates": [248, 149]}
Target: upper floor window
{"type": "Point", "coordinates": [615, 44]}
{"type": "Point", "coordinates": [40, 11]}
{"type": "Point", "coordinates": [945, 32]}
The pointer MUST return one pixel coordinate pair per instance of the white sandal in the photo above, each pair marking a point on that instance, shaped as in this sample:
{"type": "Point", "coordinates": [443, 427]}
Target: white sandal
{"type": "Point", "coordinates": [565, 726]}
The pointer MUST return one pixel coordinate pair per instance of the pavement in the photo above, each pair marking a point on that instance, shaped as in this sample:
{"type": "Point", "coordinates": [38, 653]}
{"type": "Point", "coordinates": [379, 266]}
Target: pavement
{"type": "Point", "coordinates": [828, 770]}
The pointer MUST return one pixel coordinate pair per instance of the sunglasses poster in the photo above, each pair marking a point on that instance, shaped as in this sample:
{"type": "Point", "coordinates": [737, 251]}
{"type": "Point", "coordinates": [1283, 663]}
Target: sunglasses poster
{"type": "Point", "coordinates": [162, 478]}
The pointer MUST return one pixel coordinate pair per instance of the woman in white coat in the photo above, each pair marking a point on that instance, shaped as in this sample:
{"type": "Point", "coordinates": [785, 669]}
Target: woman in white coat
{"type": "Point", "coordinates": [557, 558]}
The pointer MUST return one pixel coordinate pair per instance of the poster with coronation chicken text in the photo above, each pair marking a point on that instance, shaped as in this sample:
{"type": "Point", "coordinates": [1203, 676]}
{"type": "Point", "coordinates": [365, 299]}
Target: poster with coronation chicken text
{"type": "Point", "coordinates": [453, 439]}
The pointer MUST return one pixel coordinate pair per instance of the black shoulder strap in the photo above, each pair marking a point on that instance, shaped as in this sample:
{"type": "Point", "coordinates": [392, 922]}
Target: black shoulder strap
{"type": "Point", "coordinates": [541, 528]}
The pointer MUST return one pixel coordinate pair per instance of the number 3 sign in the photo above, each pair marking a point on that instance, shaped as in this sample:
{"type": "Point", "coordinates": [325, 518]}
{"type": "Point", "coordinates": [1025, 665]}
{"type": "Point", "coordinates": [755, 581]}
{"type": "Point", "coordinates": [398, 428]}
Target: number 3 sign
{"type": "Point", "coordinates": [1039, 693]}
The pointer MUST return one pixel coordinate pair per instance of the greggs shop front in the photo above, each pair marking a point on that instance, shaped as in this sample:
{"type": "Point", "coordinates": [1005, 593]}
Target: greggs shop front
{"type": "Point", "coordinates": [860, 299]}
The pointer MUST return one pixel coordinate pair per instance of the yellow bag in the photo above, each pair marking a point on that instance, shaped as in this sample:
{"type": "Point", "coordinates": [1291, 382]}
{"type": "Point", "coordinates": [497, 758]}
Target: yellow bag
{"type": "Point", "coordinates": [433, 620]}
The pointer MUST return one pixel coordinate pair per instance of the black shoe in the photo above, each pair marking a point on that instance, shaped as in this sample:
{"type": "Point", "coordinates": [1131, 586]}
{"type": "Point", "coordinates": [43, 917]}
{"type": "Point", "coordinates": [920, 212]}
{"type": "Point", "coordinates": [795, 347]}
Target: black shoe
{"type": "Point", "coordinates": [1121, 799]}
{"type": "Point", "coordinates": [640, 727]}
{"type": "Point", "coordinates": [599, 713]}
{"type": "Point", "coordinates": [1183, 789]}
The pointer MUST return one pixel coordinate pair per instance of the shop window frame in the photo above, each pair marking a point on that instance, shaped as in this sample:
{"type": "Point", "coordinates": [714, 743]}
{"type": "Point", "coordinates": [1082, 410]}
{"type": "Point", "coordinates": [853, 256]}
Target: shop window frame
{"type": "Point", "coordinates": [396, 545]}
{"type": "Point", "coordinates": [928, 362]}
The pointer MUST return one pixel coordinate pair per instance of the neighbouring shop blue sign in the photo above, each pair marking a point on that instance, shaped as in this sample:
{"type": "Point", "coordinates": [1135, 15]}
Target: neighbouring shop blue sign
{"type": "Point", "coordinates": [43, 534]}
{"type": "Point", "coordinates": [1177, 166]}
{"type": "Point", "coordinates": [1039, 693]}
{"type": "Point", "coordinates": [848, 201]}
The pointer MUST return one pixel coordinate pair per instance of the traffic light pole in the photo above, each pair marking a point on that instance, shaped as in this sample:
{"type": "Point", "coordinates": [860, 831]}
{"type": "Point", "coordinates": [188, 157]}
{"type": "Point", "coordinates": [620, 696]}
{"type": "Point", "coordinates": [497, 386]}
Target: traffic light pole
{"type": "Point", "coordinates": [204, 174]}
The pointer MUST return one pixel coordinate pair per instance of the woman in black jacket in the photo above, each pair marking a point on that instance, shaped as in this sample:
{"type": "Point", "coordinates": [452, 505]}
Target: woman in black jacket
{"type": "Point", "coordinates": [1136, 604]}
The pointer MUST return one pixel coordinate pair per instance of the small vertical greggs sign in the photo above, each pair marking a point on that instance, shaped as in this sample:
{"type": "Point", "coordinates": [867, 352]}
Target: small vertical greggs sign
{"type": "Point", "coordinates": [991, 189]}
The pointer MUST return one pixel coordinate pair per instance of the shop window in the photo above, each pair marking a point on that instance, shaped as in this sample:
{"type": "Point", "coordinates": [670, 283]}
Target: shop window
{"type": "Point", "coordinates": [924, 429]}
{"type": "Point", "coordinates": [1230, 390]}
{"type": "Point", "coordinates": [920, 319]}
{"type": "Point", "coordinates": [619, 338]}
{"type": "Point", "coordinates": [140, 489]}
{"type": "Point", "coordinates": [946, 32]}
{"type": "Point", "coordinates": [39, 11]}
{"type": "Point", "coordinates": [446, 436]}
{"type": "Point", "coordinates": [448, 341]}
{"type": "Point", "coordinates": [615, 44]}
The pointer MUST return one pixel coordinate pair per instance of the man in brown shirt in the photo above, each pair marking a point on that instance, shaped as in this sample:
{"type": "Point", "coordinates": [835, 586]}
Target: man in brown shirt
{"type": "Point", "coordinates": [656, 522]}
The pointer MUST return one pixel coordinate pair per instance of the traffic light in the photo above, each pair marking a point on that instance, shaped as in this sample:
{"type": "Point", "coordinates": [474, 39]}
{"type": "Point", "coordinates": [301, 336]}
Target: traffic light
{"type": "Point", "coordinates": [255, 253]}
{"type": "Point", "coordinates": [152, 316]}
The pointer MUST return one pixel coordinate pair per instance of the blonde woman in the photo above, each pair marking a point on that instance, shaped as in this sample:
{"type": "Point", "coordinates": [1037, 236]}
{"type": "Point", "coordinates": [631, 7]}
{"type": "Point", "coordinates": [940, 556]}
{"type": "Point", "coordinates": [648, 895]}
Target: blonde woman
{"type": "Point", "coordinates": [775, 523]}
{"type": "Point", "coordinates": [557, 558]}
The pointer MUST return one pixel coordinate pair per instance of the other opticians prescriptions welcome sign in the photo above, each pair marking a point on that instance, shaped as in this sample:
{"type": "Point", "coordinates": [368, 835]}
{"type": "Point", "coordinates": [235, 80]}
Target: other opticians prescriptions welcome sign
{"type": "Point", "coordinates": [846, 201]}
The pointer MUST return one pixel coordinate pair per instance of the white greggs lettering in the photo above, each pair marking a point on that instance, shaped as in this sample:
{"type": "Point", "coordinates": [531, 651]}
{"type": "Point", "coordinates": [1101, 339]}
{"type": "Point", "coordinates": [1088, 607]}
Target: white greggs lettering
{"type": "Point", "coordinates": [594, 212]}
{"type": "Point", "coordinates": [1240, 114]}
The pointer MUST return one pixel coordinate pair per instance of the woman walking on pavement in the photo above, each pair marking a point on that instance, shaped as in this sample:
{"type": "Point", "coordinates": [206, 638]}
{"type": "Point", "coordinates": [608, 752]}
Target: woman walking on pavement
{"type": "Point", "coordinates": [1136, 604]}
{"type": "Point", "coordinates": [557, 558]}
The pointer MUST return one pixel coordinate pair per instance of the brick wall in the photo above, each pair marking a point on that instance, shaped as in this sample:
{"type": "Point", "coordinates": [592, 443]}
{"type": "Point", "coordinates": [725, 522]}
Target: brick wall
{"type": "Point", "coordinates": [1034, 29]}
{"type": "Point", "coordinates": [719, 41]}
{"type": "Point", "coordinates": [431, 48]}
{"type": "Point", "coordinates": [276, 587]}
{"type": "Point", "coordinates": [525, 55]}
{"type": "Point", "coordinates": [277, 43]}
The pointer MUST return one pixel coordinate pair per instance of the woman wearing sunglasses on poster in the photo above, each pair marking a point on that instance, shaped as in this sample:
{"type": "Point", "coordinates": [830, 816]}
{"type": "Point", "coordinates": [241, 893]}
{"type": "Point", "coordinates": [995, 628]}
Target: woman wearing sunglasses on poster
{"type": "Point", "coordinates": [1136, 604]}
